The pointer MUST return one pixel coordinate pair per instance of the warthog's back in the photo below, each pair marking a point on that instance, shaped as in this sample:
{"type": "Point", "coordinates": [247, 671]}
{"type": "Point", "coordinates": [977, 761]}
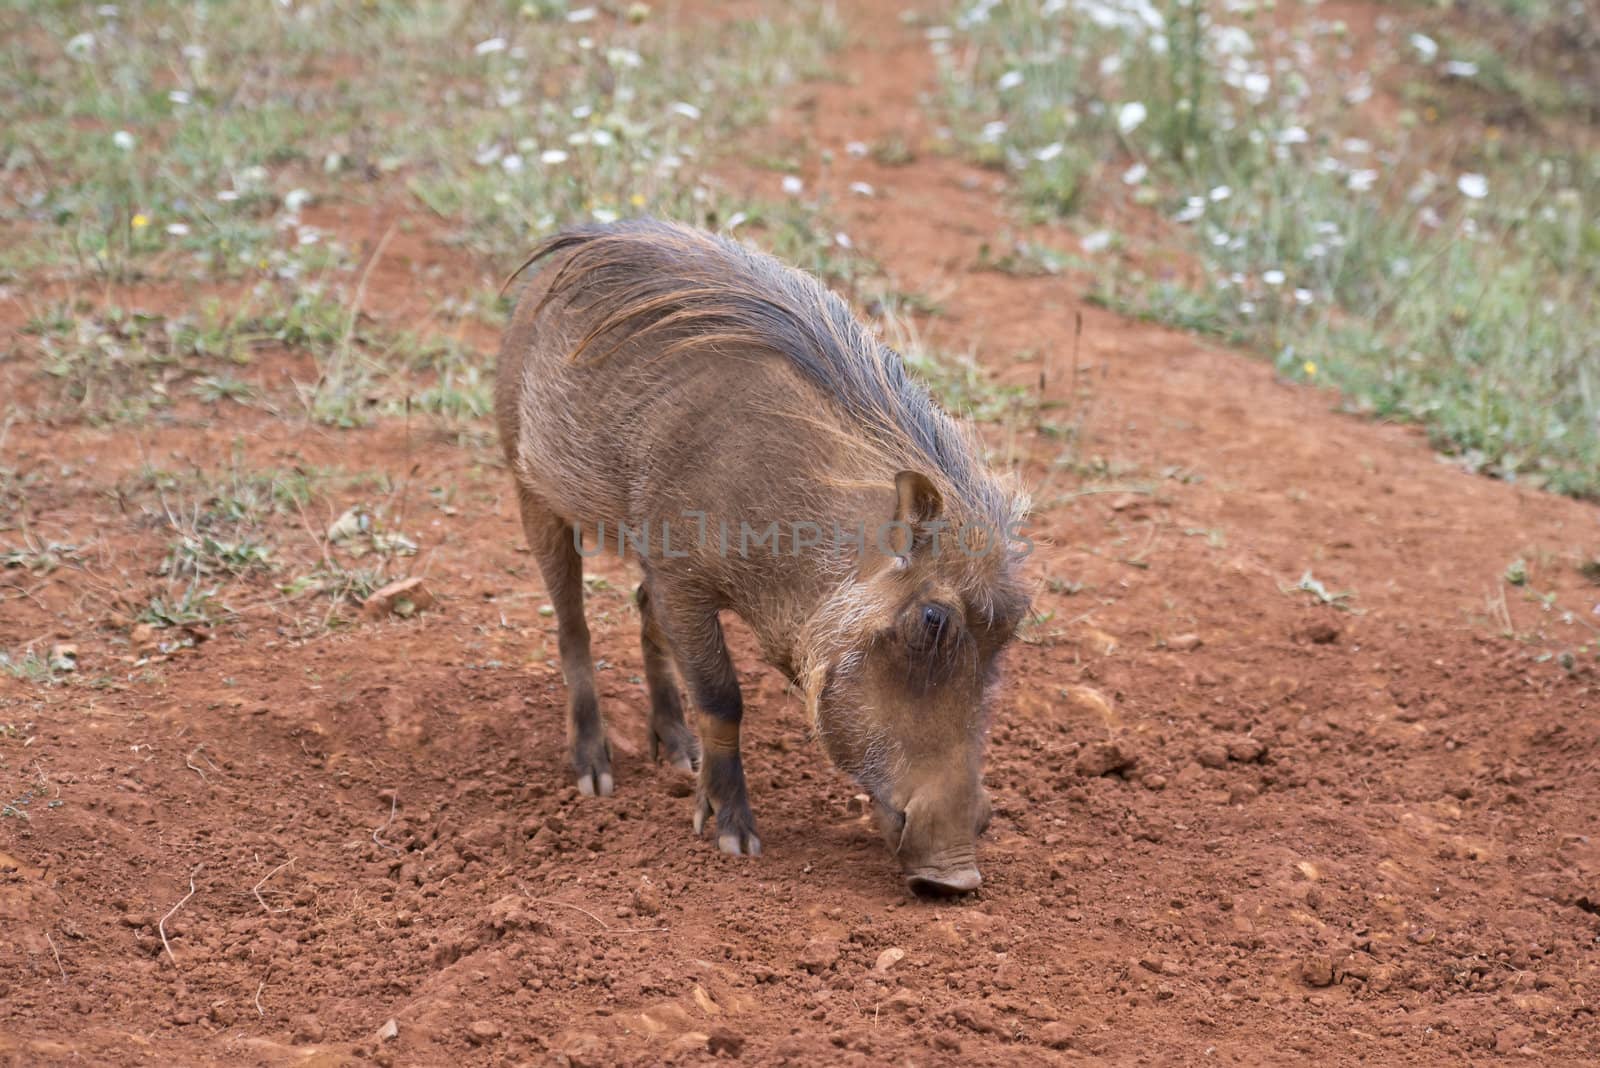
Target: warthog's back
{"type": "Point", "coordinates": [651, 367]}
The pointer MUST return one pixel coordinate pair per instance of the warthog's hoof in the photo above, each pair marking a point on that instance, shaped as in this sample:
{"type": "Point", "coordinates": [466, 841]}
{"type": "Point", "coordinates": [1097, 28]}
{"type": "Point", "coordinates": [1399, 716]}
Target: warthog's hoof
{"type": "Point", "coordinates": [735, 825]}
{"type": "Point", "coordinates": [593, 765]}
{"type": "Point", "coordinates": [675, 743]}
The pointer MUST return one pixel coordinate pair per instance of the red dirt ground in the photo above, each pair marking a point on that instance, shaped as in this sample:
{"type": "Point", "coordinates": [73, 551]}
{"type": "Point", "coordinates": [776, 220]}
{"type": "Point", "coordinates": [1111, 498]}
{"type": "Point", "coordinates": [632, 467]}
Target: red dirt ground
{"type": "Point", "coordinates": [1358, 833]}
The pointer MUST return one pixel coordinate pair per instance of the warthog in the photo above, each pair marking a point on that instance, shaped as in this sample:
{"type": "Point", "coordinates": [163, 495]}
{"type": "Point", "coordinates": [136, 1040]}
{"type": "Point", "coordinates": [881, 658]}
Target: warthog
{"type": "Point", "coordinates": [732, 425]}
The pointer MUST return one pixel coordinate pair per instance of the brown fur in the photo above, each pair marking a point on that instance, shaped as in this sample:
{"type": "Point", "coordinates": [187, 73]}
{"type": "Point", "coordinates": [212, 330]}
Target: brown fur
{"type": "Point", "coordinates": [651, 370]}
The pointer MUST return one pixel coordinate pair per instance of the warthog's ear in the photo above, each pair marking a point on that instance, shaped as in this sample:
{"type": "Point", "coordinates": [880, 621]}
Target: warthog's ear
{"type": "Point", "coordinates": [917, 503]}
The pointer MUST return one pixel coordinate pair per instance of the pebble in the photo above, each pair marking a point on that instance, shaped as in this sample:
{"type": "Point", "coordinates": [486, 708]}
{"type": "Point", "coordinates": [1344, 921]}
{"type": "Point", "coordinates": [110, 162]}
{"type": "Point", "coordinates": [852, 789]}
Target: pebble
{"type": "Point", "coordinates": [889, 958]}
{"type": "Point", "coordinates": [725, 1042]}
{"type": "Point", "coordinates": [646, 898]}
{"type": "Point", "coordinates": [1212, 755]}
{"type": "Point", "coordinates": [481, 1031]}
{"type": "Point", "coordinates": [1103, 758]}
{"type": "Point", "coordinates": [1317, 971]}
{"type": "Point", "coordinates": [819, 955]}
{"type": "Point", "coordinates": [403, 597]}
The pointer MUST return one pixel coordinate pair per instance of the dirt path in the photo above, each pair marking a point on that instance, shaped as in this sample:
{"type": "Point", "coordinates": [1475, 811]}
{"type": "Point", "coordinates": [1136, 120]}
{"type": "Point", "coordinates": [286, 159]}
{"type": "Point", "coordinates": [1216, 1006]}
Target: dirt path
{"type": "Point", "coordinates": [1359, 832]}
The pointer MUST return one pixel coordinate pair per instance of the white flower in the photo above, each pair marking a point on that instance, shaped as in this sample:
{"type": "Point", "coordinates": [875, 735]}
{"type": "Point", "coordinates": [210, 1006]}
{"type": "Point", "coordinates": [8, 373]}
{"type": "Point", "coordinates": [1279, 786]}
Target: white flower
{"type": "Point", "coordinates": [1272, 277]}
{"type": "Point", "coordinates": [1231, 41]}
{"type": "Point", "coordinates": [1131, 115]}
{"type": "Point", "coordinates": [792, 185]}
{"type": "Point", "coordinates": [552, 156]}
{"type": "Point", "coordinates": [1009, 80]}
{"type": "Point", "coordinates": [227, 196]}
{"type": "Point", "coordinates": [736, 220]}
{"type": "Point", "coordinates": [1110, 65]}
{"type": "Point", "coordinates": [512, 164]}
{"type": "Point", "coordinates": [687, 110]}
{"type": "Point", "coordinates": [81, 46]}
{"type": "Point", "coordinates": [862, 189]}
{"type": "Point", "coordinates": [993, 131]}
{"type": "Point", "coordinates": [1361, 181]}
{"type": "Point", "coordinates": [1356, 146]}
{"type": "Point", "coordinates": [602, 138]}
{"type": "Point", "coordinates": [178, 229]}
{"type": "Point", "coordinates": [489, 47]}
{"type": "Point", "coordinates": [178, 96]}
{"type": "Point", "coordinates": [1135, 174]}
{"type": "Point", "coordinates": [1048, 152]}
{"type": "Point", "coordinates": [1475, 186]}
{"type": "Point", "coordinates": [1256, 84]}
{"type": "Point", "coordinates": [1427, 48]}
{"type": "Point", "coordinates": [582, 111]}
{"type": "Point", "coordinates": [842, 239]}
{"type": "Point", "coordinates": [856, 150]}
{"type": "Point", "coordinates": [488, 155]}
{"type": "Point", "coordinates": [1247, 307]}
{"type": "Point", "coordinates": [508, 98]}
{"type": "Point", "coordinates": [626, 58]}
{"type": "Point", "coordinates": [309, 235]}
{"type": "Point", "coordinates": [583, 14]}
{"type": "Point", "coordinates": [124, 140]}
{"type": "Point", "coordinates": [1302, 296]}
{"type": "Point", "coordinates": [1098, 241]}
{"type": "Point", "coordinates": [1192, 209]}
{"type": "Point", "coordinates": [1461, 68]}
{"type": "Point", "coordinates": [1293, 135]}
{"type": "Point", "coordinates": [1221, 193]}
{"type": "Point", "coordinates": [604, 215]}
{"type": "Point", "coordinates": [194, 53]}
{"type": "Point", "coordinates": [296, 199]}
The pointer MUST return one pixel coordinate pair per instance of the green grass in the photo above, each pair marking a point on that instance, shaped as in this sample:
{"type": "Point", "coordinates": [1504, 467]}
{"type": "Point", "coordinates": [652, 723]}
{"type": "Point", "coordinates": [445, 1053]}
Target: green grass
{"type": "Point", "coordinates": [196, 145]}
{"type": "Point", "coordinates": [175, 140]}
{"type": "Point", "coordinates": [1446, 274]}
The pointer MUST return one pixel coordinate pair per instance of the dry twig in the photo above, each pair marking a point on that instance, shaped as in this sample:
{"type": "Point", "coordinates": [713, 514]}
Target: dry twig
{"type": "Point", "coordinates": [162, 926]}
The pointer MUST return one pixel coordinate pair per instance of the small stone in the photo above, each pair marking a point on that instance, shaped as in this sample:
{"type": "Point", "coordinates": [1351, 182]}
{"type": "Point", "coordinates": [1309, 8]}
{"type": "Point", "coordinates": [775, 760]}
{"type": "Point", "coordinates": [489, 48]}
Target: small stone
{"type": "Point", "coordinates": [138, 919]}
{"type": "Point", "coordinates": [1153, 781]}
{"type": "Point", "coordinates": [1317, 971]}
{"type": "Point", "coordinates": [1056, 1035]}
{"type": "Point", "coordinates": [1212, 755]}
{"type": "Point", "coordinates": [389, 1031]}
{"type": "Point", "coordinates": [1321, 633]}
{"type": "Point", "coordinates": [819, 955]}
{"type": "Point", "coordinates": [307, 1028]}
{"type": "Point", "coordinates": [1512, 1038]}
{"type": "Point", "coordinates": [723, 1042]}
{"type": "Point", "coordinates": [482, 1031]}
{"type": "Point", "coordinates": [1246, 750]}
{"type": "Point", "coordinates": [889, 958]}
{"type": "Point", "coordinates": [1186, 643]}
{"type": "Point", "coordinates": [646, 898]}
{"type": "Point", "coordinates": [403, 597]}
{"type": "Point", "coordinates": [1103, 758]}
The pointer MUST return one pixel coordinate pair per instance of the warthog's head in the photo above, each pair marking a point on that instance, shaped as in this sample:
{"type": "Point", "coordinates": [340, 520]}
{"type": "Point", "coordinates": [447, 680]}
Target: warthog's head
{"type": "Point", "coordinates": [901, 665]}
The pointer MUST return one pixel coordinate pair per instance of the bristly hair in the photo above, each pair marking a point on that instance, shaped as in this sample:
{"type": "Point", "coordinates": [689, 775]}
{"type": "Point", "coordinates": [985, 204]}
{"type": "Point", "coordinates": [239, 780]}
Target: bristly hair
{"type": "Point", "coordinates": [705, 292]}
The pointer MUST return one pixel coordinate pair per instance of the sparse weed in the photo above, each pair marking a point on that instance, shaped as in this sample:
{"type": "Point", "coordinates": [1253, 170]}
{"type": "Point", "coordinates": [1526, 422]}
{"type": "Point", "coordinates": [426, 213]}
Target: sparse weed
{"type": "Point", "coordinates": [1448, 282]}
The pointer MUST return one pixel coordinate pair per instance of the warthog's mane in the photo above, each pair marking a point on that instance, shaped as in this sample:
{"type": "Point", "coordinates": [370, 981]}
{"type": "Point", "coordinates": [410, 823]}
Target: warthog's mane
{"type": "Point", "coordinates": [701, 293]}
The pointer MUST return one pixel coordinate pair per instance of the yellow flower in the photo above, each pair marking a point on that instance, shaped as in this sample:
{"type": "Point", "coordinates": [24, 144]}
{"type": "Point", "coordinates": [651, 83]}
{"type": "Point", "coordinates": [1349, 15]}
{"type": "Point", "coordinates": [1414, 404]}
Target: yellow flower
{"type": "Point", "coordinates": [637, 200]}
{"type": "Point", "coordinates": [140, 221]}
{"type": "Point", "coordinates": [1310, 369]}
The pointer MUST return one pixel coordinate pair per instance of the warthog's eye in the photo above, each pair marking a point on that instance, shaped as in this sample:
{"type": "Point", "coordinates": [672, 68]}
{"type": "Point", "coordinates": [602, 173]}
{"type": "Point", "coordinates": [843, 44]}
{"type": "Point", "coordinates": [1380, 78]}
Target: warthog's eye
{"type": "Point", "coordinates": [935, 624]}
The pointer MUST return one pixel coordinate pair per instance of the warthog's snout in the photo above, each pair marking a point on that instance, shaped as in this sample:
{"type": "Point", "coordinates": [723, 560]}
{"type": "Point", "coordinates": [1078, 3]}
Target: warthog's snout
{"type": "Point", "coordinates": [945, 883]}
{"type": "Point", "coordinates": [936, 840]}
